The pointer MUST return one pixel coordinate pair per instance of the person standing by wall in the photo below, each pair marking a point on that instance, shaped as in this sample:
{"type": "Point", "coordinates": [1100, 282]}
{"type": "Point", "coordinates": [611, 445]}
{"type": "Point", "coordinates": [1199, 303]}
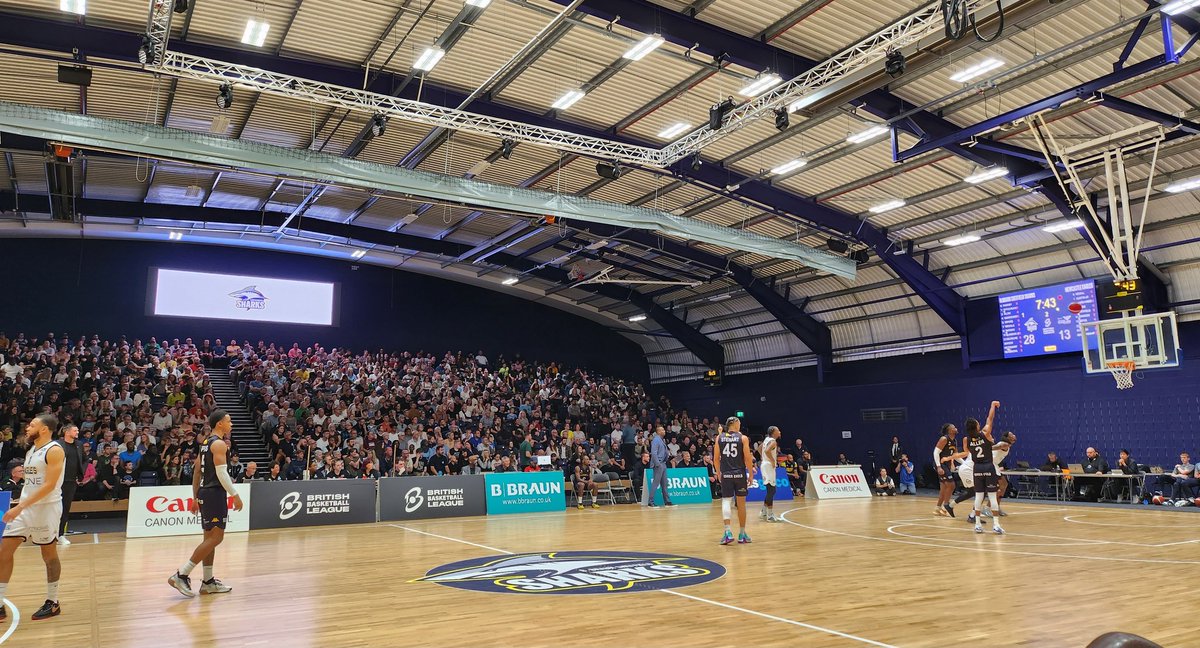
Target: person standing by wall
{"type": "Point", "coordinates": [658, 467]}
{"type": "Point", "coordinates": [72, 471]}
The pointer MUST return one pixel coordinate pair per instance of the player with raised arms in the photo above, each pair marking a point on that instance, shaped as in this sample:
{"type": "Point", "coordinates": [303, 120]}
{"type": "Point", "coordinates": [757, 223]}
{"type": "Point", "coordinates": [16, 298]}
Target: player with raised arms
{"type": "Point", "coordinates": [734, 461]}
{"type": "Point", "coordinates": [770, 459]}
{"type": "Point", "coordinates": [37, 515]}
{"type": "Point", "coordinates": [979, 444]}
{"type": "Point", "coordinates": [211, 484]}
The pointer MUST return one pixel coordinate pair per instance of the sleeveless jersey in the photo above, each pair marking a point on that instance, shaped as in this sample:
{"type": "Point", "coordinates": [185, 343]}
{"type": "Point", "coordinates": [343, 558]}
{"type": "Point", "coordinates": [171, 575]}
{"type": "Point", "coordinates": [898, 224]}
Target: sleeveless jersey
{"type": "Point", "coordinates": [733, 464]}
{"type": "Point", "coordinates": [999, 455]}
{"type": "Point", "coordinates": [980, 449]}
{"type": "Point", "coordinates": [767, 445]}
{"type": "Point", "coordinates": [36, 468]}
{"type": "Point", "coordinates": [946, 451]}
{"type": "Point", "coordinates": [208, 469]}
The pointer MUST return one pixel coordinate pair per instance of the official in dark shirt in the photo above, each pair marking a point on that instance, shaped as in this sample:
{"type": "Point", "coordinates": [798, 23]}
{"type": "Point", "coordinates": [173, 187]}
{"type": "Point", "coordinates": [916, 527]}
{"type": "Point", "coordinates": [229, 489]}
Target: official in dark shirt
{"type": "Point", "coordinates": [15, 481]}
{"type": "Point", "coordinates": [1127, 466]}
{"type": "Point", "coordinates": [1088, 488]}
{"type": "Point", "coordinates": [72, 473]}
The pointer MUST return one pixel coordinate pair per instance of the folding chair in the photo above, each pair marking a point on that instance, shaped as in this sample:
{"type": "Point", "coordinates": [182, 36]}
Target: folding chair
{"type": "Point", "coordinates": [617, 486]}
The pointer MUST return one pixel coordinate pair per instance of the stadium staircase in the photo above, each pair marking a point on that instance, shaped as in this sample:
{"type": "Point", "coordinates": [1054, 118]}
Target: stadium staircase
{"type": "Point", "coordinates": [249, 442]}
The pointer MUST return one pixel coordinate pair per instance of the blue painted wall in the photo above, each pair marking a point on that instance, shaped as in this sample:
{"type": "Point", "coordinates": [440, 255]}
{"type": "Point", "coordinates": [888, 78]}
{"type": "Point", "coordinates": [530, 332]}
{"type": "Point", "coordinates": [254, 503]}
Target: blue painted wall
{"type": "Point", "coordinates": [1048, 402]}
{"type": "Point", "coordinates": [97, 286]}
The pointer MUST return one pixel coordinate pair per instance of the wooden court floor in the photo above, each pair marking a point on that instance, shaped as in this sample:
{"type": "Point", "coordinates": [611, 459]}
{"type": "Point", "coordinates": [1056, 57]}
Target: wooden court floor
{"type": "Point", "coordinates": [849, 573]}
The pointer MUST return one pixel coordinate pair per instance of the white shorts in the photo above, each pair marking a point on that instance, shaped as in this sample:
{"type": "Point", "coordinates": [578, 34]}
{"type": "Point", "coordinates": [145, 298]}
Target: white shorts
{"type": "Point", "coordinates": [966, 472]}
{"type": "Point", "coordinates": [768, 476]}
{"type": "Point", "coordinates": [37, 524]}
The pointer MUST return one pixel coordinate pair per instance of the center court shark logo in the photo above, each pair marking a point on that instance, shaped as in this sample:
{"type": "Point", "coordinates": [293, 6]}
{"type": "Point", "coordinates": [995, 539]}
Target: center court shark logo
{"type": "Point", "coordinates": [249, 298]}
{"type": "Point", "coordinates": [575, 572]}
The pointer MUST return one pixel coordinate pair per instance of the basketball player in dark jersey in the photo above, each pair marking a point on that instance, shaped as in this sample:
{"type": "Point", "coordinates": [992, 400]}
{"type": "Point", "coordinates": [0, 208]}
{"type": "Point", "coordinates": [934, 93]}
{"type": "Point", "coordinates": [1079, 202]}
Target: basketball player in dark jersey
{"type": "Point", "coordinates": [211, 484]}
{"type": "Point", "coordinates": [734, 461]}
{"type": "Point", "coordinates": [979, 444]}
{"type": "Point", "coordinates": [943, 458]}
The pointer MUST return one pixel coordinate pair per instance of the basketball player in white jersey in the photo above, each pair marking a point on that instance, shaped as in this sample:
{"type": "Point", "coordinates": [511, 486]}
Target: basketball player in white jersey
{"type": "Point", "coordinates": [769, 459]}
{"type": "Point", "coordinates": [734, 462]}
{"type": "Point", "coordinates": [36, 517]}
{"type": "Point", "coordinates": [999, 454]}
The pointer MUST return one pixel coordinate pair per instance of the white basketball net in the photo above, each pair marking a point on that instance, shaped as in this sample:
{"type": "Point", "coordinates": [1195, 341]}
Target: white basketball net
{"type": "Point", "coordinates": [1123, 374]}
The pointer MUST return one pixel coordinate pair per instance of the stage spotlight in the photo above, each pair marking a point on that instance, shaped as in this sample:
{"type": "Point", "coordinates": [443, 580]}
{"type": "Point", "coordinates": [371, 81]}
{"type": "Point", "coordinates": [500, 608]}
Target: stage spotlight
{"type": "Point", "coordinates": [782, 119]}
{"type": "Point", "coordinates": [506, 148]}
{"type": "Point", "coordinates": [837, 246]}
{"type": "Point", "coordinates": [895, 63]}
{"type": "Point", "coordinates": [181, 6]}
{"type": "Point", "coordinates": [378, 125]}
{"type": "Point", "coordinates": [225, 97]}
{"type": "Point", "coordinates": [145, 53]}
{"type": "Point", "coordinates": [860, 256]}
{"type": "Point", "coordinates": [610, 171]}
{"type": "Point", "coordinates": [716, 114]}
{"type": "Point", "coordinates": [697, 162]}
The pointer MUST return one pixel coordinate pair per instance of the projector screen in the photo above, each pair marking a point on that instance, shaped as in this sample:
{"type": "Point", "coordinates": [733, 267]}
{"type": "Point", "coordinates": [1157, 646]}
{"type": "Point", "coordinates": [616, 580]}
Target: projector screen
{"type": "Point", "coordinates": [1039, 321]}
{"type": "Point", "coordinates": [180, 293]}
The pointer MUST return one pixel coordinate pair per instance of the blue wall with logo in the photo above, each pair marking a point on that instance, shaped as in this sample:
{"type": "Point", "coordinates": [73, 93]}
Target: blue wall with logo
{"type": "Point", "coordinates": [95, 286]}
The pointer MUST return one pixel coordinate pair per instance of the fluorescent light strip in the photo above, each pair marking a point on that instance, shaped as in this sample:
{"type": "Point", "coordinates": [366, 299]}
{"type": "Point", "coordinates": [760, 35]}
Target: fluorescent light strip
{"type": "Point", "coordinates": [869, 134]}
{"type": "Point", "coordinates": [760, 85]}
{"type": "Point", "coordinates": [637, 318]}
{"type": "Point", "coordinates": [788, 167]}
{"type": "Point", "coordinates": [1063, 225]}
{"type": "Point", "coordinates": [888, 206]}
{"type": "Point", "coordinates": [982, 67]}
{"type": "Point", "coordinates": [482, 4]}
{"type": "Point", "coordinates": [509, 281]}
{"type": "Point", "coordinates": [986, 174]}
{"type": "Point", "coordinates": [73, 6]}
{"type": "Point", "coordinates": [429, 58]}
{"type": "Point", "coordinates": [672, 131]}
{"type": "Point", "coordinates": [960, 240]}
{"type": "Point", "coordinates": [568, 99]}
{"type": "Point", "coordinates": [256, 32]}
{"type": "Point", "coordinates": [358, 254]}
{"type": "Point", "coordinates": [1183, 185]}
{"type": "Point", "coordinates": [644, 47]}
{"type": "Point", "coordinates": [1179, 6]}
{"type": "Point", "coordinates": [175, 236]}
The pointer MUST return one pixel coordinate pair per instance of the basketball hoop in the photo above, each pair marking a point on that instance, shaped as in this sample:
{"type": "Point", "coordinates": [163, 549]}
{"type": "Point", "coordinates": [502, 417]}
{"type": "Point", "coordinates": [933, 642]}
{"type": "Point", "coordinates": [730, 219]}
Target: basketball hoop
{"type": "Point", "coordinates": [1122, 372]}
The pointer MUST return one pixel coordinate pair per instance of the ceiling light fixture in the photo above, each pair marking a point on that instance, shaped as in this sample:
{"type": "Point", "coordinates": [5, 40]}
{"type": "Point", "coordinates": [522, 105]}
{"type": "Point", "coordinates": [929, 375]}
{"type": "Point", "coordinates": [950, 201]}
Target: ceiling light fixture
{"type": "Point", "coordinates": [671, 132]}
{"type": "Point", "coordinates": [982, 67]}
{"type": "Point", "coordinates": [73, 6]}
{"type": "Point", "coordinates": [895, 63]}
{"type": "Point", "coordinates": [378, 125]}
{"type": "Point", "coordinates": [960, 240]}
{"type": "Point", "coordinates": [760, 85]}
{"type": "Point", "coordinates": [506, 148]}
{"type": "Point", "coordinates": [1179, 6]}
{"type": "Point", "coordinates": [888, 206]}
{"type": "Point", "coordinates": [782, 119]}
{"type": "Point", "coordinates": [256, 32]}
{"type": "Point", "coordinates": [986, 174]}
{"type": "Point", "coordinates": [175, 236]}
{"type": "Point", "coordinates": [510, 281]}
{"type": "Point", "coordinates": [644, 47]}
{"type": "Point", "coordinates": [1181, 186]}
{"type": "Point", "coordinates": [358, 254]}
{"type": "Point", "coordinates": [637, 318]}
{"type": "Point", "coordinates": [225, 96]}
{"type": "Point", "coordinates": [145, 53]}
{"type": "Point", "coordinates": [788, 167]}
{"type": "Point", "coordinates": [1063, 225]}
{"type": "Point", "coordinates": [429, 58]}
{"type": "Point", "coordinates": [568, 99]}
{"type": "Point", "coordinates": [480, 4]}
{"type": "Point", "coordinates": [181, 6]}
{"type": "Point", "coordinates": [867, 135]}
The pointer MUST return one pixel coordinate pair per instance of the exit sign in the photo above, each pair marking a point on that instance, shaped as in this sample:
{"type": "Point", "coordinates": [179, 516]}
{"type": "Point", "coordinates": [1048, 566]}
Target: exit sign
{"type": "Point", "coordinates": [740, 413]}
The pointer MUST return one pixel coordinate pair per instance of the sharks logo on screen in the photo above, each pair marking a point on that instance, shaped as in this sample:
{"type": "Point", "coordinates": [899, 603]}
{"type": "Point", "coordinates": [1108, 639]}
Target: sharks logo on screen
{"type": "Point", "coordinates": [575, 572]}
{"type": "Point", "coordinates": [249, 298]}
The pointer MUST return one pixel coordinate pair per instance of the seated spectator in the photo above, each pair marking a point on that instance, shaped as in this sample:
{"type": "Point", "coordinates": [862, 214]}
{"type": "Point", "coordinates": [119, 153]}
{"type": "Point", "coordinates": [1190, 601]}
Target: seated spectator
{"type": "Point", "coordinates": [1183, 478]}
{"type": "Point", "coordinates": [130, 454]}
{"type": "Point", "coordinates": [884, 484]}
{"type": "Point", "coordinates": [1126, 465]}
{"type": "Point", "coordinates": [506, 465]}
{"type": "Point", "coordinates": [908, 480]}
{"type": "Point", "coordinates": [1053, 463]}
{"type": "Point", "coordinates": [842, 460]}
{"type": "Point", "coordinates": [88, 487]}
{"type": "Point", "coordinates": [126, 479]}
{"type": "Point", "coordinates": [250, 474]}
{"type": "Point", "coordinates": [173, 470]}
{"type": "Point", "coordinates": [15, 481]}
{"type": "Point", "coordinates": [1087, 488]}
{"type": "Point", "coordinates": [275, 474]}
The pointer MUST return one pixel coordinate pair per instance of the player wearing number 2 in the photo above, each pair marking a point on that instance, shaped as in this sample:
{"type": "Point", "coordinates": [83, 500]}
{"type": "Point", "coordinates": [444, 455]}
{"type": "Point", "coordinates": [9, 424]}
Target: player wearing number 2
{"type": "Point", "coordinates": [979, 444]}
{"type": "Point", "coordinates": [734, 461]}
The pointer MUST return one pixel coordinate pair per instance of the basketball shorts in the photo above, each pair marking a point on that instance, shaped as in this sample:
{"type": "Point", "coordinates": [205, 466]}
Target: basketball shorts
{"type": "Point", "coordinates": [733, 486]}
{"type": "Point", "coordinates": [986, 478]}
{"type": "Point", "coordinates": [966, 473]}
{"type": "Point", "coordinates": [214, 508]}
{"type": "Point", "coordinates": [947, 473]}
{"type": "Point", "coordinates": [37, 524]}
{"type": "Point", "coordinates": [768, 474]}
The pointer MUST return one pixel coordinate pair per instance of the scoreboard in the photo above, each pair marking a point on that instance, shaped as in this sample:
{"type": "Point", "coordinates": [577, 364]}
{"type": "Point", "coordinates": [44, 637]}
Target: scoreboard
{"type": "Point", "coordinates": [1041, 321]}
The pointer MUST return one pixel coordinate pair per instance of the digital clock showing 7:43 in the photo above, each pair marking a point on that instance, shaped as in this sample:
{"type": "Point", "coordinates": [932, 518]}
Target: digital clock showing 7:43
{"type": "Point", "coordinates": [1046, 320]}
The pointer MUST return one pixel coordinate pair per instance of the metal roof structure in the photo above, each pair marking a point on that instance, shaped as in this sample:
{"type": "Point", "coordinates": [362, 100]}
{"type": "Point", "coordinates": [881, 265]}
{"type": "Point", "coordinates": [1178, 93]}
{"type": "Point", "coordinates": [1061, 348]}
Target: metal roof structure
{"type": "Point", "coordinates": [1090, 67]}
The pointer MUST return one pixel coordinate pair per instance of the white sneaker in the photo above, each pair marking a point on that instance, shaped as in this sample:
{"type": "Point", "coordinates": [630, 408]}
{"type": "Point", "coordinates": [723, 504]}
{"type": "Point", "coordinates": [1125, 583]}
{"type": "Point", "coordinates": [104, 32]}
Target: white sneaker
{"type": "Point", "coordinates": [62, 541]}
{"type": "Point", "coordinates": [214, 586]}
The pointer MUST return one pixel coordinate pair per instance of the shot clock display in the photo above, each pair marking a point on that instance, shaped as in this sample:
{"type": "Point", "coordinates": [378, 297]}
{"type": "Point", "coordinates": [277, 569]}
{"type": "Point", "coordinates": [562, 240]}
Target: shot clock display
{"type": "Point", "coordinates": [1046, 320]}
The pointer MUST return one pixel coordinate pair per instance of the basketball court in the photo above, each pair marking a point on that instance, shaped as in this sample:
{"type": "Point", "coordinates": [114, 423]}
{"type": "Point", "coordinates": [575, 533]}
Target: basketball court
{"type": "Point", "coordinates": [838, 573]}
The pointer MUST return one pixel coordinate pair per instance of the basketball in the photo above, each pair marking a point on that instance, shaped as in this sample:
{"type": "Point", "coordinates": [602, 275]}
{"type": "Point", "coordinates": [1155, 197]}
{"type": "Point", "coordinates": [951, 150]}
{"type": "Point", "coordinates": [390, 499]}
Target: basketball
{"type": "Point", "coordinates": [1075, 308]}
{"type": "Point", "coordinates": [1158, 500]}
{"type": "Point", "coordinates": [1196, 501]}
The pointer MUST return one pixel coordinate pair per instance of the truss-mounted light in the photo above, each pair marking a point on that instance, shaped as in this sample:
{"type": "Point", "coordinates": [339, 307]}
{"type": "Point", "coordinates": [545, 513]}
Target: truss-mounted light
{"type": "Point", "coordinates": [225, 97]}
{"type": "Point", "coordinates": [867, 135]}
{"type": "Point", "coordinates": [978, 69]}
{"type": "Point", "coordinates": [1063, 225]}
{"type": "Point", "coordinates": [256, 32]}
{"type": "Point", "coordinates": [429, 58]}
{"type": "Point", "coordinates": [145, 53]}
{"type": "Point", "coordinates": [568, 99]}
{"type": "Point", "coordinates": [986, 174]}
{"type": "Point", "coordinates": [888, 206]}
{"type": "Point", "coordinates": [644, 47]}
{"type": "Point", "coordinates": [73, 6]}
{"type": "Point", "coordinates": [378, 125]}
{"type": "Point", "coordinates": [760, 85]}
{"type": "Point", "coordinates": [962, 240]}
{"type": "Point", "coordinates": [788, 167]}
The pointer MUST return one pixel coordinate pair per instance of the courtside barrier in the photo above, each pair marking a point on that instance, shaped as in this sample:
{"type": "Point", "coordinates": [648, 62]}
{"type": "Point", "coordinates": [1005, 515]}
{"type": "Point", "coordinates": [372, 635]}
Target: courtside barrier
{"type": "Point", "coordinates": [414, 498]}
{"type": "Point", "coordinates": [163, 511]}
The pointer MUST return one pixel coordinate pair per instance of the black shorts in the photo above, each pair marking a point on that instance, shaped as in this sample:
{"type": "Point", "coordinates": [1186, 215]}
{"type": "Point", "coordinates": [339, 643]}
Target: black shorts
{"type": "Point", "coordinates": [214, 508]}
{"type": "Point", "coordinates": [947, 473]}
{"type": "Point", "coordinates": [733, 486]}
{"type": "Point", "coordinates": [987, 480]}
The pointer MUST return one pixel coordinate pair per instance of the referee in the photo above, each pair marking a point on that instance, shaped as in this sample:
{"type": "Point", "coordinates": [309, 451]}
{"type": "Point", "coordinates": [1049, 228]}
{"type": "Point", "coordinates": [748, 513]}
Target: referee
{"type": "Point", "coordinates": [72, 471]}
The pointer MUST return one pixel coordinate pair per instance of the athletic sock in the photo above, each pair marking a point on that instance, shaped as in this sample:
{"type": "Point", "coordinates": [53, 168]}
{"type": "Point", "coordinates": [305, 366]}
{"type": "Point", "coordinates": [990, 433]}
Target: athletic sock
{"type": "Point", "coordinates": [187, 568]}
{"type": "Point", "coordinates": [3, 589]}
{"type": "Point", "coordinates": [52, 591]}
{"type": "Point", "coordinates": [208, 572]}
{"type": "Point", "coordinates": [727, 529]}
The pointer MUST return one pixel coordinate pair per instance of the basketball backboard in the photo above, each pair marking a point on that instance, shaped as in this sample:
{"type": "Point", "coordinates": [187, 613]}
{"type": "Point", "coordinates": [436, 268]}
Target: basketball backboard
{"type": "Point", "coordinates": [1148, 341]}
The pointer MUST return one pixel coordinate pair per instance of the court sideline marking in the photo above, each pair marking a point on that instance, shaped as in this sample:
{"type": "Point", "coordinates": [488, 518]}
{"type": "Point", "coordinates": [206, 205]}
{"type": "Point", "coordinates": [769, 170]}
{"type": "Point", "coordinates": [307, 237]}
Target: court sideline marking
{"type": "Point", "coordinates": [763, 615]}
{"type": "Point", "coordinates": [16, 620]}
